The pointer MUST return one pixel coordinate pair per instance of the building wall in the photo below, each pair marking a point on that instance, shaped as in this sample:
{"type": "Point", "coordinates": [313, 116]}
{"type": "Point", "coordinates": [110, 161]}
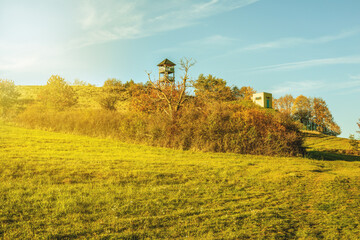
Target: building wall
{"type": "Point", "coordinates": [263, 99]}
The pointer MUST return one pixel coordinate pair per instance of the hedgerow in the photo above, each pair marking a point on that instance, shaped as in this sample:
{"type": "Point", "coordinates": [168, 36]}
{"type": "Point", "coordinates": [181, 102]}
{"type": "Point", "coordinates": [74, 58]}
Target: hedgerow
{"type": "Point", "coordinates": [237, 127]}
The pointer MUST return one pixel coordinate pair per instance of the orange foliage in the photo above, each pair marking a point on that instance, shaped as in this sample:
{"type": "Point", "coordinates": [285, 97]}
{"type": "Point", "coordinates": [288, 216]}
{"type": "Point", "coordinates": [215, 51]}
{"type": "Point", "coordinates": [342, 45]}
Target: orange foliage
{"type": "Point", "coordinates": [322, 116]}
{"type": "Point", "coordinates": [148, 99]}
{"type": "Point", "coordinates": [284, 104]}
{"type": "Point", "coordinates": [247, 92]}
{"type": "Point", "coordinates": [301, 109]}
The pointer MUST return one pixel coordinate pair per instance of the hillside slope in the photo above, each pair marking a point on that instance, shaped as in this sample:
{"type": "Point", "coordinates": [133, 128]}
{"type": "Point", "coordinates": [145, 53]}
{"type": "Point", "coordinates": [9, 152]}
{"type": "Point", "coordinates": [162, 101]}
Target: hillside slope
{"type": "Point", "coordinates": [88, 97]}
{"type": "Point", "coordinates": [321, 146]}
{"type": "Point", "coordinates": [58, 186]}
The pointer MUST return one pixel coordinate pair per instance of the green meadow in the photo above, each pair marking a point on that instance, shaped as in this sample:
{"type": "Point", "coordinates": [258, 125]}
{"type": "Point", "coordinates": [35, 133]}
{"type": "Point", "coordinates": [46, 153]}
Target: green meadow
{"type": "Point", "coordinates": [62, 186]}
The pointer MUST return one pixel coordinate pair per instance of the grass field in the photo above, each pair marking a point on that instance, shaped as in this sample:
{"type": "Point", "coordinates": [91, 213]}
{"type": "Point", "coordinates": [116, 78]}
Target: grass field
{"type": "Point", "coordinates": [315, 140]}
{"type": "Point", "coordinates": [59, 186]}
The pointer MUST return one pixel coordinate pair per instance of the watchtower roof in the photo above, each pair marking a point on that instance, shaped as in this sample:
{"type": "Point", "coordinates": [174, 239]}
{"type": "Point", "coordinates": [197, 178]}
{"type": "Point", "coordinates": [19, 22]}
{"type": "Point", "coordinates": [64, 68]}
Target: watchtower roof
{"type": "Point", "coordinates": [166, 62]}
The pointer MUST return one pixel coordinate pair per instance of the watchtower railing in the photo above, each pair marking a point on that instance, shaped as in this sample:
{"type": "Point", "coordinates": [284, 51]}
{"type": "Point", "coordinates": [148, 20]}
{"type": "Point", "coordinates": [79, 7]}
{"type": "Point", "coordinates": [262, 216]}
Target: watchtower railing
{"type": "Point", "coordinates": [167, 79]}
{"type": "Point", "coordinates": [166, 69]}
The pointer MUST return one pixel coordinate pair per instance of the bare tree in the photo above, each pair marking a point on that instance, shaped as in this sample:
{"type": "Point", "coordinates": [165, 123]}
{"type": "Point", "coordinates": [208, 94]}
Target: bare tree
{"type": "Point", "coordinates": [173, 93]}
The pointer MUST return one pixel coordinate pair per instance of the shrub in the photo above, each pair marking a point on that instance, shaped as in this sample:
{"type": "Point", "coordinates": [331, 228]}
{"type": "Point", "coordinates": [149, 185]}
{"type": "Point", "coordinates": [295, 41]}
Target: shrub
{"type": "Point", "coordinates": [113, 91]}
{"type": "Point", "coordinates": [8, 96]}
{"type": "Point", "coordinates": [57, 94]}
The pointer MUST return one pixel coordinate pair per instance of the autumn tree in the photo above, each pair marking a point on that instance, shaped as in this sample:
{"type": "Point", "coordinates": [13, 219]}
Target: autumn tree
{"type": "Point", "coordinates": [284, 104]}
{"type": "Point", "coordinates": [212, 88]}
{"type": "Point", "coordinates": [301, 109]}
{"type": "Point", "coordinates": [358, 125]}
{"type": "Point", "coordinates": [354, 144]}
{"type": "Point", "coordinates": [236, 92]}
{"type": "Point", "coordinates": [8, 95]}
{"type": "Point", "coordinates": [112, 92]}
{"type": "Point", "coordinates": [144, 98]}
{"type": "Point", "coordinates": [78, 82]}
{"type": "Point", "coordinates": [171, 95]}
{"type": "Point", "coordinates": [335, 128]}
{"type": "Point", "coordinates": [133, 88]}
{"type": "Point", "coordinates": [247, 92]}
{"type": "Point", "coordinates": [57, 94]}
{"type": "Point", "coordinates": [322, 117]}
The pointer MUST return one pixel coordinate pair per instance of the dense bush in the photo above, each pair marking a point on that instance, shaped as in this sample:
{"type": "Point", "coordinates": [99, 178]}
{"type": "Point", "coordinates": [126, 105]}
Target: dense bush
{"type": "Point", "coordinates": [238, 127]}
{"type": "Point", "coordinates": [113, 91]}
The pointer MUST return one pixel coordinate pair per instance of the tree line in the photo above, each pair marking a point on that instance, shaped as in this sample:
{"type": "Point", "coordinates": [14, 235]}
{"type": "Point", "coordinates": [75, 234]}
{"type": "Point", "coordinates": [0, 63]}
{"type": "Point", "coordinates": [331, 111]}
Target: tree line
{"type": "Point", "coordinates": [313, 113]}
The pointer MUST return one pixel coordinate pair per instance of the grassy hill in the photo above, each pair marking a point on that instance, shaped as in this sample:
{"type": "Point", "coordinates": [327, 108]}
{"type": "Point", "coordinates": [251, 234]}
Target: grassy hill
{"type": "Point", "coordinates": [321, 146]}
{"type": "Point", "coordinates": [59, 186]}
{"type": "Point", "coordinates": [87, 96]}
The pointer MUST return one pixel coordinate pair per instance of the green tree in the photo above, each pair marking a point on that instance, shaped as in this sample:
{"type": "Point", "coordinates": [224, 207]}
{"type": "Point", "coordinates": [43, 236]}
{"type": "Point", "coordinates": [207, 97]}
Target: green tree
{"type": "Point", "coordinates": [213, 88]}
{"type": "Point", "coordinates": [113, 91]}
{"type": "Point", "coordinates": [57, 94]}
{"type": "Point", "coordinates": [8, 95]}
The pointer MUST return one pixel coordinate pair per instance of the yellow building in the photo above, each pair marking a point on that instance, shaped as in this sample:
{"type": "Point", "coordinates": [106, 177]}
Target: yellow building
{"type": "Point", "coordinates": [263, 99]}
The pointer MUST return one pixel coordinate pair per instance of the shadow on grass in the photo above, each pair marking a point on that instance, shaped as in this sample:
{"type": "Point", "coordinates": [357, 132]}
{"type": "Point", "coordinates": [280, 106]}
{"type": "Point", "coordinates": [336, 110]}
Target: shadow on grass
{"type": "Point", "coordinates": [329, 156]}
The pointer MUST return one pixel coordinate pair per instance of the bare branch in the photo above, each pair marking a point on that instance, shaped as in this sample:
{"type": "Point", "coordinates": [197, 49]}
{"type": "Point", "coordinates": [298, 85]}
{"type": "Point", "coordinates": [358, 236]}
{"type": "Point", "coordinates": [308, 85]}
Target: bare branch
{"type": "Point", "coordinates": [165, 91]}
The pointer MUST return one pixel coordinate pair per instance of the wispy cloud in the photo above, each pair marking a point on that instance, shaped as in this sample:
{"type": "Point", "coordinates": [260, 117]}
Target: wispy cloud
{"type": "Point", "coordinates": [104, 21]}
{"type": "Point", "coordinates": [309, 63]}
{"type": "Point", "coordinates": [291, 87]}
{"type": "Point", "coordinates": [356, 77]}
{"type": "Point", "coordinates": [291, 42]}
{"type": "Point", "coordinates": [306, 87]}
{"type": "Point", "coordinates": [16, 63]}
{"type": "Point", "coordinates": [34, 38]}
{"type": "Point", "coordinates": [18, 56]}
{"type": "Point", "coordinates": [211, 41]}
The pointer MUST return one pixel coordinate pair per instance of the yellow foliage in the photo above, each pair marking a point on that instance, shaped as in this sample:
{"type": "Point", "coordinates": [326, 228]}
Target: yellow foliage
{"type": "Point", "coordinates": [57, 94]}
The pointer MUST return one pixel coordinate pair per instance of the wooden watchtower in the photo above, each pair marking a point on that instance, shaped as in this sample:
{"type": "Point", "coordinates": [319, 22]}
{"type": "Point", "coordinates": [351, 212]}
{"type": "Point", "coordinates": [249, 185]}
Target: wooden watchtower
{"type": "Point", "coordinates": [166, 71]}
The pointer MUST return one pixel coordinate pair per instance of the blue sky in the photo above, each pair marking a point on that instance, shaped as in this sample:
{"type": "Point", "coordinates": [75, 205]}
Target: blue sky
{"type": "Point", "coordinates": [281, 46]}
